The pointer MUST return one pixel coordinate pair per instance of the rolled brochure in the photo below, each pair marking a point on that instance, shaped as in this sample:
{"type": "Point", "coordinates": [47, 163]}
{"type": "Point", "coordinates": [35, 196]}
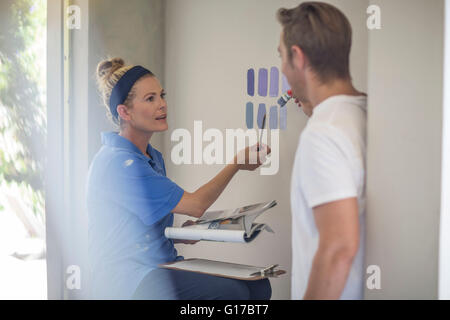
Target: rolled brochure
{"type": "Point", "coordinates": [234, 225]}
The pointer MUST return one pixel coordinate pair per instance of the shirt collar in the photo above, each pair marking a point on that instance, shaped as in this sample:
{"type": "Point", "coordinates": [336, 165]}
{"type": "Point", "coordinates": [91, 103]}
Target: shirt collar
{"type": "Point", "coordinates": [330, 101]}
{"type": "Point", "coordinates": [113, 139]}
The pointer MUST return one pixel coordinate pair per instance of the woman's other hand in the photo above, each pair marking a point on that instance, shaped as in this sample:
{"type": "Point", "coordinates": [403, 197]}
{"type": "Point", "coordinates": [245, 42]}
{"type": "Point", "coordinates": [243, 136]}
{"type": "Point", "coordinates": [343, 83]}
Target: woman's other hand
{"type": "Point", "coordinates": [187, 223]}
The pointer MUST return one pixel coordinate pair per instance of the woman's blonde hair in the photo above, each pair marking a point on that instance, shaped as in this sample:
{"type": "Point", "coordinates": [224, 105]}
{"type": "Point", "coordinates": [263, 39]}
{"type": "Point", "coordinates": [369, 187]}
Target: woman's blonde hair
{"type": "Point", "coordinates": [109, 73]}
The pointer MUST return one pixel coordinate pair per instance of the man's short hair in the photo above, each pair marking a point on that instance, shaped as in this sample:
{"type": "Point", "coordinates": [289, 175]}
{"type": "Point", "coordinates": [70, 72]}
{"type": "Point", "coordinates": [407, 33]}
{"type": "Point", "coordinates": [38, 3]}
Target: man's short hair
{"type": "Point", "coordinates": [323, 33]}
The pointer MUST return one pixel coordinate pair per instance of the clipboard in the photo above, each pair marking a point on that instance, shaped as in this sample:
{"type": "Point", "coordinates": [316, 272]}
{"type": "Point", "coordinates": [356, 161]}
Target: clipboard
{"type": "Point", "coordinates": [224, 269]}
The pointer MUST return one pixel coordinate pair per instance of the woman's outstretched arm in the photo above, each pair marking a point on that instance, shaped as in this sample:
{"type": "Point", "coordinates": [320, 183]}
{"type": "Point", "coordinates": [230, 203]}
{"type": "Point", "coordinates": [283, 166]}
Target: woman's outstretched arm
{"type": "Point", "coordinates": [196, 203]}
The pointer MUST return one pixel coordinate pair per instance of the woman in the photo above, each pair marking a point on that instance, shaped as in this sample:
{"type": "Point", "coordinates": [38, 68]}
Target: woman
{"type": "Point", "coordinates": [131, 201]}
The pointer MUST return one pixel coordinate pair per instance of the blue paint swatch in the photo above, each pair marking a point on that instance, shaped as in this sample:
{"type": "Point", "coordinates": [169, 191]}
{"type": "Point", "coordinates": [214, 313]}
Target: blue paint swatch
{"type": "Point", "coordinates": [274, 79]}
{"type": "Point", "coordinates": [262, 82]}
{"type": "Point", "coordinates": [251, 82]}
{"type": "Point", "coordinates": [249, 115]}
{"type": "Point", "coordinates": [284, 84]}
{"type": "Point", "coordinates": [283, 118]}
{"type": "Point", "coordinates": [273, 119]}
{"type": "Point", "coordinates": [261, 114]}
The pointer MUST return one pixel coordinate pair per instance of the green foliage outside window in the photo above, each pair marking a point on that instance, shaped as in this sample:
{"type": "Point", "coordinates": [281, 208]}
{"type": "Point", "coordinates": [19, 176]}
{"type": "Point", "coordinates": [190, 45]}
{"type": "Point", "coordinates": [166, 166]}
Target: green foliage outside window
{"type": "Point", "coordinates": [23, 99]}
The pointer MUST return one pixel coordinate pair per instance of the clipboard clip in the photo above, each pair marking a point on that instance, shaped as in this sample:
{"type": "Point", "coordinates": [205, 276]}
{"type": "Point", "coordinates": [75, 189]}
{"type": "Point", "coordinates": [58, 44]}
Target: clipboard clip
{"type": "Point", "coordinates": [266, 271]}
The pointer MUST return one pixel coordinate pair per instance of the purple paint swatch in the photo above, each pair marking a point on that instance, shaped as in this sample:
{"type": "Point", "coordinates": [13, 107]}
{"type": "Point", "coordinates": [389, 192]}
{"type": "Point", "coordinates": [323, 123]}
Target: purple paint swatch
{"type": "Point", "coordinates": [284, 84]}
{"type": "Point", "coordinates": [262, 82]}
{"type": "Point", "coordinates": [251, 82]}
{"type": "Point", "coordinates": [283, 118]}
{"type": "Point", "coordinates": [261, 114]}
{"type": "Point", "coordinates": [249, 115]}
{"type": "Point", "coordinates": [274, 79]}
{"type": "Point", "coordinates": [273, 119]}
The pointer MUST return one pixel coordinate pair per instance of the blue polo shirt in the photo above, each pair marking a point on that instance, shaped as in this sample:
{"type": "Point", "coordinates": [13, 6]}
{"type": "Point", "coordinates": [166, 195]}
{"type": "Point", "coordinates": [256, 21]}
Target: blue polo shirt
{"type": "Point", "coordinates": [129, 202]}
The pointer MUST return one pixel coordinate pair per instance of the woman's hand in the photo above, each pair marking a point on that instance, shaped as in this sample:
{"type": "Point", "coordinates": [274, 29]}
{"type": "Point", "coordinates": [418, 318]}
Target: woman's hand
{"type": "Point", "coordinates": [187, 223]}
{"type": "Point", "coordinates": [252, 157]}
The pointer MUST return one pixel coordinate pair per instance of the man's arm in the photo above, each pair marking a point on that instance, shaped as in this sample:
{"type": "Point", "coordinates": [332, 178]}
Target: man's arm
{"type": "Point", "coordinates": [338, 226]}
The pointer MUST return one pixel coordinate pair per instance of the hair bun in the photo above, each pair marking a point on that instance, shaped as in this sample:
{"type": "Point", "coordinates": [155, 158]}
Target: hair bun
{"type": "Point", "coordinates": [107, 67]}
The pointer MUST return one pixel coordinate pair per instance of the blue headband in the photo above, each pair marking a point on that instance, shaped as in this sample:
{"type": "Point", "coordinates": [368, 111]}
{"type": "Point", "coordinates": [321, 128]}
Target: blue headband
{"type": "Point", "coordinates": [120, 91]}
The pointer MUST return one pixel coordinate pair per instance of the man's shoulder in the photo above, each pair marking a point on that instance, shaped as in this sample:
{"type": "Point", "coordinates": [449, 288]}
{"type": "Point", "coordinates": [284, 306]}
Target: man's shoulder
{"type": "Point", "coordinates": [358, 102]}
{"type": "Point", "coordinates": [327, 139]}
{"type": "Point", "coordinates": [319, 130]}
{"type": "Point", "coordinates": [343, 120]}
{"type": "Point", "coordinates": [340, 109]}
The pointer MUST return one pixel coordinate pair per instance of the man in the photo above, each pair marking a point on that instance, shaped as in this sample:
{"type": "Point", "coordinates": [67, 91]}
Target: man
{"type": "Point", "coordinates": [327, 187]}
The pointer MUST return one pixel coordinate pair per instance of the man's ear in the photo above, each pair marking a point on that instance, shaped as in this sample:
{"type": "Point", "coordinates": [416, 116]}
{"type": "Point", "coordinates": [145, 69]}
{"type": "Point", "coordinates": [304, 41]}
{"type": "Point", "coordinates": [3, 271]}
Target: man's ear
{"type": "Point", "coordinates": [298, 58]}
{"type": "Point", "coordinates": [122, 110]}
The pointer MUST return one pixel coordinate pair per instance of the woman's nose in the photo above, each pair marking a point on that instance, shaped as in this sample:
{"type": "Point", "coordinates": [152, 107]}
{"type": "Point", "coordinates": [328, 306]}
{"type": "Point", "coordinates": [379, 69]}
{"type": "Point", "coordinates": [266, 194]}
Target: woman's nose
{"type": "Point", "coordinates": [163, 104]}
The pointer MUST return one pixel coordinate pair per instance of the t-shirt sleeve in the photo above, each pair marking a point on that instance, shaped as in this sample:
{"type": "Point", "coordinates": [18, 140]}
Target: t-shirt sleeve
{"type": "Point", "coordinates": [139, 190]}
{"type": "Point", "coordinates": [325, 166]}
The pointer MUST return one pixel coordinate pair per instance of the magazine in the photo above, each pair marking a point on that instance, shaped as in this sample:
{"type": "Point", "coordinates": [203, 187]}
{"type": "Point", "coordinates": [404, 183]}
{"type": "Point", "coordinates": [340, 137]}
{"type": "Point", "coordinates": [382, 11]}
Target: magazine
{"type": "Point", "coordinates": [234, 225]}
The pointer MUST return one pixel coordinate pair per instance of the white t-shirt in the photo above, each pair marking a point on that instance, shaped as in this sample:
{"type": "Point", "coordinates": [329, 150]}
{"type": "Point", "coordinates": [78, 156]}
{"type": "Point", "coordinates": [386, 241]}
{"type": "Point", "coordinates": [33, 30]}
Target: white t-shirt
{"type": "Point", "coordinates": [329, 165]}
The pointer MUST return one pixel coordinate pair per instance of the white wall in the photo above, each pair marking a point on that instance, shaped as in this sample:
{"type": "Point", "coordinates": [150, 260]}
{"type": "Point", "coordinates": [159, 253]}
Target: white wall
{"type": "Point", "coordinates": [209, 45]}
{"type": "Point", "coordinates": [404, 148]}
{"type": "Point", "coordinates": [132, 30]}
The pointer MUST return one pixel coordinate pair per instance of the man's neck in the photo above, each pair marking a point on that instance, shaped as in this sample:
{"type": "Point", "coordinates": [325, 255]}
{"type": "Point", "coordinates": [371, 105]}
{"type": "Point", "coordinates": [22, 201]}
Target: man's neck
{"type": "Point", "coordinates": [318, 92]}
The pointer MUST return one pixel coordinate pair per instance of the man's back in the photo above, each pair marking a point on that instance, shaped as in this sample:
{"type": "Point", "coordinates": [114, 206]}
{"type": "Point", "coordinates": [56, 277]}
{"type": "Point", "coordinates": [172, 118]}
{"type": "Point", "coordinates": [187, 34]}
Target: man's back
{"type": "Point", "coordinates": [329, 166]}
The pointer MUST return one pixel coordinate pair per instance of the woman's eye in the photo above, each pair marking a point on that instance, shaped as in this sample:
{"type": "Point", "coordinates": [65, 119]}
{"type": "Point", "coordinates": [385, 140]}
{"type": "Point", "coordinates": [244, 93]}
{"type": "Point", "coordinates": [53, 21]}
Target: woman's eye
{"type": "Point", "coordinates": [163, 95]}
{"type": "Point", "coordinates": [150, 98]}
